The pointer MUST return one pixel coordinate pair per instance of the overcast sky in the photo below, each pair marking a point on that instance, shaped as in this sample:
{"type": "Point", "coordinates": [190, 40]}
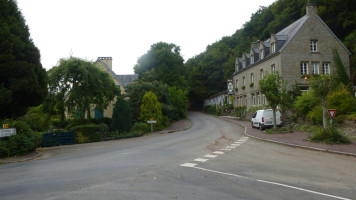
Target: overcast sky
{"type": "Point", "coordinates": [125, 29]}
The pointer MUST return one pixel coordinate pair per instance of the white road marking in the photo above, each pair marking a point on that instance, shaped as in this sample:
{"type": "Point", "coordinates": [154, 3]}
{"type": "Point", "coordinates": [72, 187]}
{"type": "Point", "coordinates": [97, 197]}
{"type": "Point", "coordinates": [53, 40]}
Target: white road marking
{"type": "Point", "coordinates": [225, 149]}
{"type": "Point", "coordinates": [201, 160]}
{"type": "Point", "coordinates": [238, 142]}
{"type": "Point", "coordinates": [188, 165]}
{"type": "Point", "coordinates": [218, 152]}
{"type": "Point", "coordinates": [192, 165]}
{"type": "Point", "coordinates": [210, 156]}
{"type": "Point", "coordinates": [234, 144]}
{"type": "Point", "coordinates": [231, 147]}
{"type": "Point", "coordinates": [301, 189]}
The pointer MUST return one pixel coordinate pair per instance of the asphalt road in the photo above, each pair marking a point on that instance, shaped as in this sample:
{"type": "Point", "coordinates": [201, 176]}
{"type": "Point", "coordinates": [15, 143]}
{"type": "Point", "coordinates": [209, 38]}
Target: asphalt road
{"type": "Point", "coordinates": [211, 160]}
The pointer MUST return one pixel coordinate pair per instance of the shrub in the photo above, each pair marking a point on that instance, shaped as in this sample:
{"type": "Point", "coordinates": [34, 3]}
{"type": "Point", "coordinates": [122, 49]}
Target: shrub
{"type": "Point", "coordinates": [219, 111]}
{"type": "Point", "coordinates": [20, 125]}
{"type": "Point", "coordinates": [240, 111]}
{"type": "Point", "coordinates": [86, 133]}
{"type": "Point", "coordinates": [121, 117]}
{"type": "Point", "coordinates": [140, 126]}
{"type": "Point", "coordinates": [211, 109]}
{"type": "Point", "coordinates": [316, 115]}
{"type": "Point", "coordinates": [4, 151]}
{"type": "Point", "coordinates": [342, 100]}
{"type": "Point", "coordinates": [330, 136]}
{"type": "Point", "coordinates": [36, 119]}
{"type": "Point", "coordinates": [22, 143]}
{"type": "Point", "coordinates": [305, 103]}
{"type": "Point", "coordinates": [151, 108]}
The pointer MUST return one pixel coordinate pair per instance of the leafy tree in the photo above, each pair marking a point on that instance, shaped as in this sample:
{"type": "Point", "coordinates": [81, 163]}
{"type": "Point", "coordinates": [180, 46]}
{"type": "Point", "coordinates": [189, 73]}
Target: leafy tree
{"type": "Point", "coordinates": [139, 88]}
{"type": "Point", "coordinates": [122, 117]}
{"type": "Point", "coordinates": [341, 76]}
{"type": "Point", "coordinates": [179, 102]}
{"type": "Point", "coordinates": [275, 90]}
{"type": "Point", "coordinates": [322, 85]}
{"type": "Point", "coordinates": [151, 108]}
{"type": "Point", "coordinates": [162, 62]}
{"type": "Point", "coordinates": [342, 100]}
{"type": "Point", "coordinates": [82, 85]}
{"type": "Point", "coordinates": [22, 79]}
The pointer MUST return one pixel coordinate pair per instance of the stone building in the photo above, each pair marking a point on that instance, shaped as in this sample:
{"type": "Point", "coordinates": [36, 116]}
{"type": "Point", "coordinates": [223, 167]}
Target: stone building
{"type": "Point", "coordinates": [121, 81]}
{"type": "Point", "coordinates": [303, 48]}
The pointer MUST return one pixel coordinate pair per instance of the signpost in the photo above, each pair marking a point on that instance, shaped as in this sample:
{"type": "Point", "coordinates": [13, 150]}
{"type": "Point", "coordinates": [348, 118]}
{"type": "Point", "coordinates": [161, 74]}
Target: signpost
{"type": "Point", "coordinates": [332, 113]}
{"type": "Point", "coordinates": [151, 121]}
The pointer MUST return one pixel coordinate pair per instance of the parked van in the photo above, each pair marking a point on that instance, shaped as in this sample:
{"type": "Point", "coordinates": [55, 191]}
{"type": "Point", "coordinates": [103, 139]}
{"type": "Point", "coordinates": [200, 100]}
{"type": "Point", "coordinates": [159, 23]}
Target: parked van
{"type": "Point", "coordinates": [264, 119]}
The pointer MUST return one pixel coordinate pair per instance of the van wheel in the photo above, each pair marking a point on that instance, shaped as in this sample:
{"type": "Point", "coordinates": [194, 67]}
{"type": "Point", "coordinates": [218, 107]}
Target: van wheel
{"type": "Point", "coordinates": [252, 125]}
{"type": "Point", "coordinates": [261, 127]}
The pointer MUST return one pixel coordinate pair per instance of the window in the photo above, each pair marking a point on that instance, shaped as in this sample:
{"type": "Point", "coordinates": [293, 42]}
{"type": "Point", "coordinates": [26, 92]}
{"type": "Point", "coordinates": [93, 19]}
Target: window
{"type": "Point", "coordinates": [252, 78]}
{"type": "Point", "coordinates": [253, 99]}
{"type": "Point", "coordinates": [315, 68]}
{"type": "Point", "coordinates": [263, 99]}
{"type": "Point", "coordinates": [273, 68]}
{"type": "Point", "coordinates": [262, 74]}
{"type": "Point", "coordinates": [245, 101]}
{"type": "Point", "coordinates": [314, 45]}
{"type": "Point", "coordinates": [304, 68]}
{"type": "Point", "coordinates": [237, 101]}
{"type": "Point", "coordinates": [243, 81]}
{"type": "Point", "coordinates": [326, 68]}
{"type": "Point", "coordinates": [273, 47]}
{"type": "Point", "coordinates": [252, 58]}
{"type": "Point", "coordinates": [237, 83]}
{"type": "Point", "coordinates": [262, 54]}
{"type": "Point", "coordinates": [258, 99]}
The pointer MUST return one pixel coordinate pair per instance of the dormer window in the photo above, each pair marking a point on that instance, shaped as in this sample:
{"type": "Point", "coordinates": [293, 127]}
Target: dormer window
{"type": "Point", "coordinates": [262, 54]}
{"type": "Point", "coordinates": [314, 45]}
{"type": "Point", "coordinates": [273, 47]}
{"type": "Point", "coordinates": [252, 58]}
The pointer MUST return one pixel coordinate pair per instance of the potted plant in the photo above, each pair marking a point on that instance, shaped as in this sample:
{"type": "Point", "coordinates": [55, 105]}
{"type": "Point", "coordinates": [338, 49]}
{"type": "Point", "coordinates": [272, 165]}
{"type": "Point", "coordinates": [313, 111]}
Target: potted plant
{"type": "Point", "coordinates": [243, 87]}
{"type": "Point", "coordinates": [252, 84]}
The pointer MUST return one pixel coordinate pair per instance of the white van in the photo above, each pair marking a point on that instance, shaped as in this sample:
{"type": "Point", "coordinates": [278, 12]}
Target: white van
{"type": "Point", "coordinates": [264, 119]}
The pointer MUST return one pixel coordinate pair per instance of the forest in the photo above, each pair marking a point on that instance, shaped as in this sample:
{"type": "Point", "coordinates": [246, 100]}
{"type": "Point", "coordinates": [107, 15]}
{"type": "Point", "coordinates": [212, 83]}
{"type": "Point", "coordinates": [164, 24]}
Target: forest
{"type": "Point", "coordinates": [209, 71]}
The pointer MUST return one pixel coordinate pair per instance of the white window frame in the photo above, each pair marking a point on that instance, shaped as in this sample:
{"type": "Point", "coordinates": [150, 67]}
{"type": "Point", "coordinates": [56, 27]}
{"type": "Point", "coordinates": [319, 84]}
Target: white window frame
{"type": "Point", "coordinates": [315, 68]}
{"type": "Point", "coordinates": [237, 83]}
{"type": "Point", "coordinates": [253, 99]}
{"type": "Point", "coordinates": [258, 99]}
{"type": "Point", "coordinates": [252, 59]}
{"type": "Point", "coordinates": [314, 45]}
{"type": "Point", "coordinates": [262, 74]}
{"type": "Point", "coordinates": [252, 78]}
{"type": "Point", "coordinates": [304, 68]}
{"type": "Point", "coordinates": [326, 68]}
{"type": "Point", "coordinates": [262, 54]}
{"type": "Point", "coordinates": [244, 81]}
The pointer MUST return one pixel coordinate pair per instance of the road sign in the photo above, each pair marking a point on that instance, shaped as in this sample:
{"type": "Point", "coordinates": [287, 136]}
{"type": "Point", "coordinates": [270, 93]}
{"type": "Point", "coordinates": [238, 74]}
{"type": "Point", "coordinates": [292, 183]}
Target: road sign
{"type": "Point", "coordinates": [7, 132]}
{"type": "Point", "coordinates": [151, 121]}
{"type": "Point", "coordinates": [332, 113]}
{"type": "Point", "coordinates": [5, 126]}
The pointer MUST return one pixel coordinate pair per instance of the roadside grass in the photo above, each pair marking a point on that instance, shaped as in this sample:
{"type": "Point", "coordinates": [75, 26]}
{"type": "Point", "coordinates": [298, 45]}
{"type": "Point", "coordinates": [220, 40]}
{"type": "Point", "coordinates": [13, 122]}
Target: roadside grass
{"type": "Point", "coordinates": [328, 136]}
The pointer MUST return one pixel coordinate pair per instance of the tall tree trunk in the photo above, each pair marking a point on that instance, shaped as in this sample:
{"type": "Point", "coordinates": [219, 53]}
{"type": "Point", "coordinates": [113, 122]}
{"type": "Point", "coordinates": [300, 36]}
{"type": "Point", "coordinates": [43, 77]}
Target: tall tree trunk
{"type": "Point", "coordinates": [325, 110]}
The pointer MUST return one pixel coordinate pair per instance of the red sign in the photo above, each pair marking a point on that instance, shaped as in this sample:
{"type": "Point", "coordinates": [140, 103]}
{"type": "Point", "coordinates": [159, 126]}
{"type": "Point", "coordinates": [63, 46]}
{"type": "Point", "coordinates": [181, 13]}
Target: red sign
{"type": "Point", "coordinates": [332, 113]}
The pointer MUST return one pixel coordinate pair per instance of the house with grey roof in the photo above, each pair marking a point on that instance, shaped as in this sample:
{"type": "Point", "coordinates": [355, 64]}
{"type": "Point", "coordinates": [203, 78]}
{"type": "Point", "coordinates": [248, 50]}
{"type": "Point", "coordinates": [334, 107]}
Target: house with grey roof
{"type": "Point", "coordinates": [303, 48]}
{"type": "Point", "coordinates": [121, 81]}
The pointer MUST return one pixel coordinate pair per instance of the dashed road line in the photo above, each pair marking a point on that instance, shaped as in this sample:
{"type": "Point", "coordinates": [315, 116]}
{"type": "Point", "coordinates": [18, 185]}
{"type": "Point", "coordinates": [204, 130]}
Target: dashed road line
{"type": "Point", "coordinates": [210, 156]}
{"type": "Point", "coordinates": [201, 160]}
{"type": "Point", "coordinates": [188, 165]}
{"type": "Point", "coordinates": [218, 152]}
{"type": "Point", "coordinates": [225, 149]}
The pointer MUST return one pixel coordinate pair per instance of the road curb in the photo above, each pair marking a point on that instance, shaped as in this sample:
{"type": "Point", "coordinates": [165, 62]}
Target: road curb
{"type": "Point", "coordinates": [289, 144]}
{"type": "Point", "coordinates": [28, 157]}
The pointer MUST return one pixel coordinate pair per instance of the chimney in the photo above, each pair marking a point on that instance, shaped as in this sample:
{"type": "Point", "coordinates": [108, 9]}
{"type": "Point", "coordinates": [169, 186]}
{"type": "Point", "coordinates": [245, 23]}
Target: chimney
{"type": "Point", "coordinates": [312, 9]}
{"type": "Point", "coordinates": [107, 61]}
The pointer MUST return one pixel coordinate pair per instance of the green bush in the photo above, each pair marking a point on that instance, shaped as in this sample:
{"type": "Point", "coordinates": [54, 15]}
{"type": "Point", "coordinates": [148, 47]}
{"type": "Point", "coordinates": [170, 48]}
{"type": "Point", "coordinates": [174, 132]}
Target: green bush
{"type": "Point", "coordinates": [121, 117]}
{"type": "Point", "coordinates": [342, 100]}
{"type": "Point", "coordinates": [211, 109]}
{"type": "Point", "coordinates": [140, 126]}
{"type": "Point", "coordinates": [4, 151]}
{"type": "Point", "coordinates": [20, 125]}
{"type": "Point", "coordinates": [316, 115]}
{"type": "Point", "coordinates": [218, 111]}
{"type": "Point", "coordinates": [305, 103]}
{"type": "Point", "coordinates": [151, 109]}
{"type": "Point", "coordinates": [22, 143]}
{"type": "Point", "coordinates": [330, 136]}
{"type": "Point", "coordinates": [36, 119]}
{"type": "Point", "coordinates": [240, 111]}
{"type": "Point", "coordinates": [86, 133]}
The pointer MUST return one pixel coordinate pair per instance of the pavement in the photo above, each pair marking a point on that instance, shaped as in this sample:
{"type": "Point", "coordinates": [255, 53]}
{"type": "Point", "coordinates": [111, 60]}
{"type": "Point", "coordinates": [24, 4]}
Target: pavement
{"type": "Point", "coordinates": [297, 139]}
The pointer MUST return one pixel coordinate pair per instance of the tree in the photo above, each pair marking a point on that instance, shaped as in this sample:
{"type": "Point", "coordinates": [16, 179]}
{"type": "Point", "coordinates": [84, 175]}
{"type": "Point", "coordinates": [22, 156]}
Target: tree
{"type": "Point", "coordinates": [76, 85]}
{"type": "Point", "coordinates": [275, 90]}
{"type": "Point", "coordinates": [122, 117]}
{"type": "Point", "coordinates": [162, 62]}
{"type": "Point", "coordinates": [179, 102]}
{"type": "Point", "coordinates": [322, 85]}
{"type": "Point", "coordinates": [341, 75]}
{"type": "Point", "coordinates": [22, 79]}
{"type": "Point", "coordinates": [151, 108]}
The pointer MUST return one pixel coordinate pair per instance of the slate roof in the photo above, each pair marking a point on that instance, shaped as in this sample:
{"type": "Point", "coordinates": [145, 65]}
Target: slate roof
{"type": "Point", "coordinates": [124, 80]}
